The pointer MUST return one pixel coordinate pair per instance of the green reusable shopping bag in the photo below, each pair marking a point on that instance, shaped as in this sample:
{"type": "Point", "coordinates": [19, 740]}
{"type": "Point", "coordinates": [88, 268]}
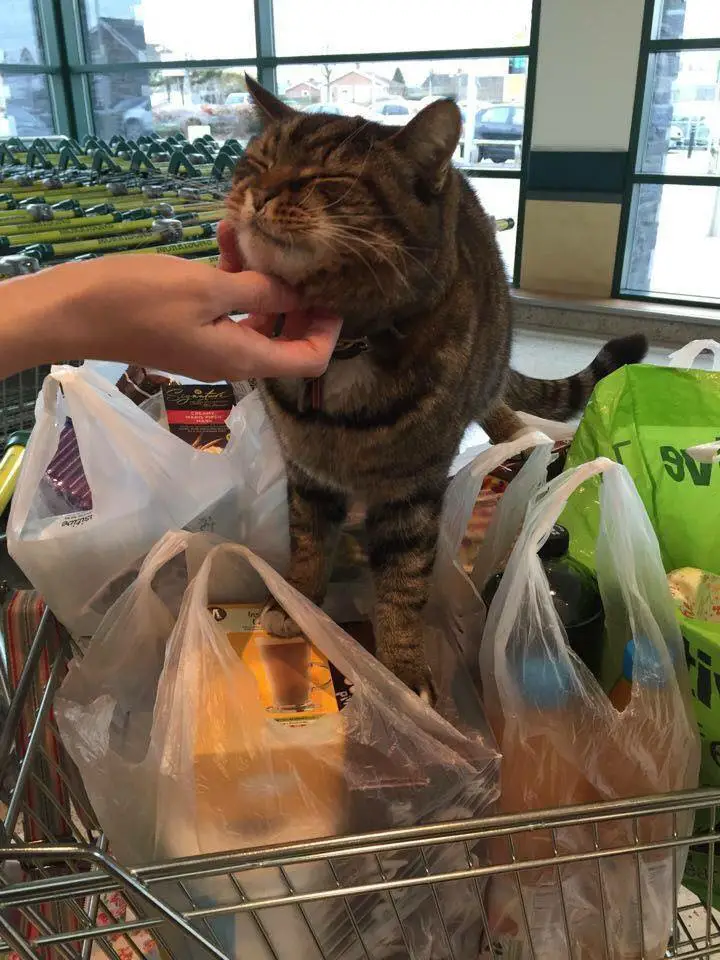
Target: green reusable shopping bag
{"type": "Point", "coordinates": [650, 418]}
{"type": "Point", "coordinates": [647, 417]}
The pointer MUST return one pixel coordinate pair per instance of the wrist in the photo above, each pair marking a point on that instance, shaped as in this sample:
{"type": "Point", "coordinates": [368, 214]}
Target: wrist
{"type": "Point", "coordinates": [39, 322]}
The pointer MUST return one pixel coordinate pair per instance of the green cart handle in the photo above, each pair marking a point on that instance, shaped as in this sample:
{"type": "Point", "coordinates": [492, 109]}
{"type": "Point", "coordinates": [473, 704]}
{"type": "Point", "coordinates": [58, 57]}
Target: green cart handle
{"type": "Point", "coordinates": [179, 162]}
{"type": "Point", "coordinates": [36, 158]}
{"type": "Point", "coordinates": [6, 155]}
{"type": "Point", "coordinates": [140, 162]}
{"type": "Point", "coordinates": [224, 163]}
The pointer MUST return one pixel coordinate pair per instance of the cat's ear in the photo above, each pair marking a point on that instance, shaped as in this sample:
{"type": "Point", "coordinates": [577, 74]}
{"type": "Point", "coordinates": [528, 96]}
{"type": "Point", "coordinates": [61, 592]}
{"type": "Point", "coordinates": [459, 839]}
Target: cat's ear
{"type": "Point", "coordinates": [268, 105]}
{"type": "Point", "coordinates": [431, 137]}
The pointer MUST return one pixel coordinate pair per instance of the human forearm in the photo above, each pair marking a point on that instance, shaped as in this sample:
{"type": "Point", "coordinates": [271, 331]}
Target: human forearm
{"type": "Point", "coordinates": [34, 314]}
{"type": "Point", "coordinates": [161, 312]}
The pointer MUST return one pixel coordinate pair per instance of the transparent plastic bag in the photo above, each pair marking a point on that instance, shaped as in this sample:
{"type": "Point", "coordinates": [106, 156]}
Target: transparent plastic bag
{"type": "Point", "coordinates": [456, 603]}
{"type": "Point", "coordinates": [383, 760]}
{"type": "Point", "coordinates": [139, 482]}
{"type": "Point", "coordinates": [256, 461]}
{"type": "Point", "coordinates": [563, 742]}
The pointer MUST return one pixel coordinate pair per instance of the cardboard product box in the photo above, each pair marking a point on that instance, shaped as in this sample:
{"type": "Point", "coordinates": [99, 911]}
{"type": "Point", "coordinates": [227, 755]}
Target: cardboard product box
{"type": "Point", "coordinates": [197, 413]}
{"type": "Point", "coordinates": [273, 785]}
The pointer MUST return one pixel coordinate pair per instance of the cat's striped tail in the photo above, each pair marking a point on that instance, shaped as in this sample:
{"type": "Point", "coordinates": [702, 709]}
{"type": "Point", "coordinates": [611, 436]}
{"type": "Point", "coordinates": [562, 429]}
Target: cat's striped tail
{"type": "Point", "coordinates": [563, 399]}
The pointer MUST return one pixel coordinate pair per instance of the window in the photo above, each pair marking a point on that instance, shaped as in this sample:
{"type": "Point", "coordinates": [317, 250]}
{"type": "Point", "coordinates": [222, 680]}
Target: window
{"type": "Point", "coordinates": [327, 27]}
{"type": "Point", "coordinates": [673, 210]}
{"type": "Point", "coordinates": [28, 77]}
{"type": "Point", "coordinates": [120, 31]}
{"type": "Point", "coordinates": [132, 67]}
{"type": "Point", "coordinates": [394, 89]}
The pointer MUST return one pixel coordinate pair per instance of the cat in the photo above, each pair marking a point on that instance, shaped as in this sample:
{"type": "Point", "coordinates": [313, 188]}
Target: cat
{"type": "Point", "coordinates": [376, 224]}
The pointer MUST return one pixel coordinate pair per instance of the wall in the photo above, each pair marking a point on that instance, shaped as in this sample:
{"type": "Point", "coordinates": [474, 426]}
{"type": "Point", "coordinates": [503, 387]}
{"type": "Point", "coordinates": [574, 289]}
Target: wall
{"type": "Point", "coordinates": [580, 138]}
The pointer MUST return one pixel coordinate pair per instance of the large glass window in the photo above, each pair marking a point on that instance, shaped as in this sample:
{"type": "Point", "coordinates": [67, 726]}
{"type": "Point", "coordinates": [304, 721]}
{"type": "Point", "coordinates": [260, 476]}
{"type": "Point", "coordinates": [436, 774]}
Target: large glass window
{"type": "Point", "coordinates": [134, 67]}
{"type": "Point", "coordinates": [19, 33]}
{"type": "Point", "coordinates": [673, 236]}
{"type": "Point", "coordinates": [121, 31]}
{"type": "Point", "coordinates": [313, 27]}
{"type": "Point", "coordinates": [26, 74]}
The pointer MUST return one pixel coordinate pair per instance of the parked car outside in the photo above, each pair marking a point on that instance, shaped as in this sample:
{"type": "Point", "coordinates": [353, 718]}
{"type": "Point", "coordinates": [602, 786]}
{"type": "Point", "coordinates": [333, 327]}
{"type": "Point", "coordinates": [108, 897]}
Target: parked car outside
{"type": "Point", "coordinates": [137, 118]}
{"type": "Point", "coordinates": [237, 99]}
{"type": "Point", "coordinates": [503, 122]}
{"type": "Point", "coordinates": [394, 112]}
{"type": "Point", "coordinates": [338, 109]}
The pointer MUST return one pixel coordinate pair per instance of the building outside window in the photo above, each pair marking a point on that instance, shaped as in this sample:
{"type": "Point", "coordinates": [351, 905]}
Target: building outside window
{"type": "Point", "coordinates": [673, 212]}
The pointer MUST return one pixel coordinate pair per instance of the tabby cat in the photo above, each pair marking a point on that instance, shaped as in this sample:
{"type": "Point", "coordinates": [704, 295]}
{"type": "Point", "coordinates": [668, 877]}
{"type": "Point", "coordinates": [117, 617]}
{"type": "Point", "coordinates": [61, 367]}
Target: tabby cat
{"type": "Point", "coordinates": [376, 224]}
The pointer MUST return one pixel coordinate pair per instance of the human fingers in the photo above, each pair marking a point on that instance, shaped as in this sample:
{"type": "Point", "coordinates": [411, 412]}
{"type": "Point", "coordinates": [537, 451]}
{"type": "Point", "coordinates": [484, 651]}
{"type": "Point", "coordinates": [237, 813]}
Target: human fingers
{"type": "Point", "coordinates": [250, 292]}
{"type": "Point", "coordinates": [280, 357]}
{"type": "Point", "coordinates": [230, 259]}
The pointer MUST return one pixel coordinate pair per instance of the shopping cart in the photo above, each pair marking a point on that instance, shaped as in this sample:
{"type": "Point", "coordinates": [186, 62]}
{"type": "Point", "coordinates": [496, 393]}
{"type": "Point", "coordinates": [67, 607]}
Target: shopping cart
{"type": "Point", "coordinates": [62, 894]}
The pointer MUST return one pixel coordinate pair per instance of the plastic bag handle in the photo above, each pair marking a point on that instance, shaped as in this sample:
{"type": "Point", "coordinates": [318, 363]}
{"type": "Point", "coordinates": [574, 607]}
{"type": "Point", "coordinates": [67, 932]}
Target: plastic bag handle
{"type": "Point", "coordinates": [166, 549]}
{"type": "Point", "coordinates": [705, 452]}
{"type": "Point", "coordinates": [345, 653]}
{"type": "Point", "coordinates": [553, 502]}
{"type": "Point", "coordinates": [685, 357]}
{"type": "Point", "coordinates": [478, 469]}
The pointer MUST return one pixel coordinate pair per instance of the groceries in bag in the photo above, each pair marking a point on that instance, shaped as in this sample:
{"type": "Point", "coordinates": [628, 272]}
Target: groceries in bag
{"type": "Point", "coordinates": [563, 741]}
{"type": "Point", "coordinates": [93, 498]}
{"type": "Point", "coordinates": [575, 594]}
{"type": "Point", "coordinates": [696, 594]}
{"type": "Point", "coordinates": [366, 757]}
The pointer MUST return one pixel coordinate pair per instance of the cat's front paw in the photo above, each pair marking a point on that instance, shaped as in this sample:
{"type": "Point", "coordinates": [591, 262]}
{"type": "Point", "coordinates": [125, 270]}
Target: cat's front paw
{"type": "Point", "coordinates": [277, 622]}
{"type": "Point", "coordinates": [414, 673]}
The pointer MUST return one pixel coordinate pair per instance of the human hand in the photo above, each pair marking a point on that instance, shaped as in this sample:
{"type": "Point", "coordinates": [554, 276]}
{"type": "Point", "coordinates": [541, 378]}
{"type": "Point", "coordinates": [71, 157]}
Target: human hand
{"type": "Point", "coordinates": [172, 314]}
{"type": "Point", "coordinates": [298, 324]}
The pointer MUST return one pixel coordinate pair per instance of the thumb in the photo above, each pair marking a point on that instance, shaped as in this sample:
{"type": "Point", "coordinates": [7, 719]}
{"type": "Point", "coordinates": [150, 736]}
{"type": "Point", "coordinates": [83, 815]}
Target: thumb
{"type": "Point", "coordinates": [230, 258]}
{"type": "Point", "coordinates": [250, 292]}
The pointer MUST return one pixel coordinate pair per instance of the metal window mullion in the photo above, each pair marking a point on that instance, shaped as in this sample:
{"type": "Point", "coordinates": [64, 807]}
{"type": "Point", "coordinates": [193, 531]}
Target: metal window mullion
{"type": "Point", "coordinates": [622, 251]}
{"type": "Point", "coordinates": [532, 56]}
{"type": "Point", "coordinates": [695, 44]}
{"type": "Point", "coordinates": [129, 65]}
{"type": "Point", "coordinates": [73, 57]}
{"type": "Point", "coordinates": [265, 43]}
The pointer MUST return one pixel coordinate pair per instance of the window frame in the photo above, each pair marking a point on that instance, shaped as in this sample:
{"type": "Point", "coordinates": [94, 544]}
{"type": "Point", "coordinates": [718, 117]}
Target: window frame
{"type": "Point", "coordinates": [643, 100]}
{"type": "Point", "coordinates": [69, 68]}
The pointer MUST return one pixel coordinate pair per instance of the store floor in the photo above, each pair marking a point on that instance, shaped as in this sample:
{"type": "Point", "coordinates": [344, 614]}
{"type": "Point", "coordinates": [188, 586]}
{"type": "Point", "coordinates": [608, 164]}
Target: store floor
{"type": "Point", "coordinates": [544, 353]}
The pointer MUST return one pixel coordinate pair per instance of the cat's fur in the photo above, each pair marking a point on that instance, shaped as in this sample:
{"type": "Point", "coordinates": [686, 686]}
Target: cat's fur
{"type": "Point", "coordinates": [376, 224]}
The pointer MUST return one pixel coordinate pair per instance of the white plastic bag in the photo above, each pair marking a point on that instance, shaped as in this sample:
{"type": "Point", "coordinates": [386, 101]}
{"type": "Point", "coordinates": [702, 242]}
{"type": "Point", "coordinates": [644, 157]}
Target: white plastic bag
{"type": "Point", "coordinates": [257, 465]}
{"type": "Point", "coordinates": [143, 482]}
{"type": "Point", "coordinates": [456, 597]}
{"type": "Point", "coordinates": [384, 760]}
{"type": "Point", "coordinates": [563, 741]}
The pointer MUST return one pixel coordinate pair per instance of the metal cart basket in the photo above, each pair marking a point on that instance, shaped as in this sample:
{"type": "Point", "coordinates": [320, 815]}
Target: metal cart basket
{"type": "Point", "coordinates": [59, 893]}
{"type": "Point", "coordinates": [63, 895]}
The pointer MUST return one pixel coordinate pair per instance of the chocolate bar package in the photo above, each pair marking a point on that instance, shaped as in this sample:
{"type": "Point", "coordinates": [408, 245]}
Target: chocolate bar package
{"type": "Point", "coordinates": [196, 413]}
{"type": "Point", "coordinates": [65, 474]}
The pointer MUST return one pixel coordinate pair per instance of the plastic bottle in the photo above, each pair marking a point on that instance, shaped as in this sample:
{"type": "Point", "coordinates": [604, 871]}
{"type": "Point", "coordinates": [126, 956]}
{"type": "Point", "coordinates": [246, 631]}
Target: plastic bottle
{"type": "Point", "coordinates": [541, 769]}
{"type": "Point", "coordinates": [10, 465]}
{"type": "Point", "coordinates": [575, 595]}
{"type": "Point", "coordinates": [652, 673]}
{"type": "Point", "coordinates": [647, 730]}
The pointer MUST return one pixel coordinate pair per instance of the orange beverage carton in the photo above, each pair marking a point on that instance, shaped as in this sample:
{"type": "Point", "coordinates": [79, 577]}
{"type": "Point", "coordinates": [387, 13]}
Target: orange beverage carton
{"type": "Point", "coordinates": [279, 776]}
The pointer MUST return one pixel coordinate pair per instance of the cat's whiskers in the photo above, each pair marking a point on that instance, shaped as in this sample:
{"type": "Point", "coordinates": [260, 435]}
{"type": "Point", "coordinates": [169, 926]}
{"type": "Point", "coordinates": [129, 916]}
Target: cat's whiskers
{"type": "Point", "coordinates": [351, 241]}
{"type": "Point", "coordinates": [382, 240]}
{"type": "Point", "coordinates": [328, 240]}
{"type": "Point", "coordinates": [360, 172]}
